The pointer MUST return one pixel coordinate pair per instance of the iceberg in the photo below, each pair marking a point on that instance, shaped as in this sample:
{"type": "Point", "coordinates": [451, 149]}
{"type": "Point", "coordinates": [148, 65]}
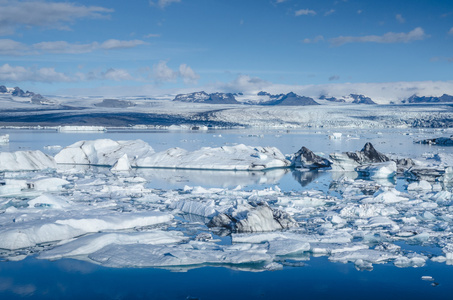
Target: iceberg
{"type": "Point", "coordinates": [4, 139]}
{"type": "Point", "coordinates": [26, 161]}
{"type": "Point", "coordinates": [239, 157]}
{"type": "Point", "coordinates": [253, 217]}
{"type": "Point", "coordinates": [104, 152]}
{"type": "Point", "coordinates": [348, 161]}
{"type": "Point", "coordinates": [378, 170]}
{"type": "Point", "coordinates": [305, 158]}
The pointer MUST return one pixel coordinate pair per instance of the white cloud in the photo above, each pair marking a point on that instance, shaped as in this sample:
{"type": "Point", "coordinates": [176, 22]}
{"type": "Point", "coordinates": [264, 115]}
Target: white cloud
{"type": "Point", "coordinates": [163, 3]}
{"type": "Point", "coordinates": [117, 44]}
{"type": "Point", "coordinates": [188, 75]}
{"type": "Point", "coordinates": [391, 37]}
{"type": "Point", "coordinates": [280, 1]}
{"type": "Point", "coordinates": [57, 15]}
{"type": "Point", "coordinates": [19, 73]}
{"type": "Point", "coordinates": [10, 47]}
{"type": "Point", "coordinates": [451, 31]}
{"type": "Point", "coordinates": [163, 73]}
{"type": "Point", "coordinates": [117, 75]}
{"type": "Point", "coordinates": [400, 18]}
{"type": "Point", "coordinates": [328, 13]}
{"type": "Point", "coordinates": [64, 47]}
{"type": "Point", "coordinates": [152, 35]}
{"type": "Point", "coordinates": [304, 12]}
{"type": "Point", "coordinates": [315, 40]}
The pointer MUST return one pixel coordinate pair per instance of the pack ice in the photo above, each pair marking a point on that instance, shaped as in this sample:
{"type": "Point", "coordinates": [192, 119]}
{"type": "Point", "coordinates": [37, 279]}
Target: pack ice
{"type": "Point", "coordinates": [112, 218]}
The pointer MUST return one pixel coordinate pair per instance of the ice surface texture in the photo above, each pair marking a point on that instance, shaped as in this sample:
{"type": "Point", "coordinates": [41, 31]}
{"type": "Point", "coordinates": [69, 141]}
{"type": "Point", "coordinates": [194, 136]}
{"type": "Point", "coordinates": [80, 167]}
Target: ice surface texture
{"type": "Point", "coordinates": [139, 154]}
{"type": "Point", "coordinates": [110, 217]}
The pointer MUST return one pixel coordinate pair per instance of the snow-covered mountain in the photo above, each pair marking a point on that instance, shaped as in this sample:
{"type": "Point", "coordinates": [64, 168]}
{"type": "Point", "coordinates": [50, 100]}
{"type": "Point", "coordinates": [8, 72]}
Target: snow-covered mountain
{"type": "Point", "coordinates": [203, 97]}
{"type": "Point", "coordinates": [352, 98]}
{"type": "Point", "coordinates": [262, 98]}
{"type": "Point", "coordinates": [417, 99]}
{"type": "Point", "coordinates": [289, 99]}
{"type": "Point", "coordinates": [18, 92]}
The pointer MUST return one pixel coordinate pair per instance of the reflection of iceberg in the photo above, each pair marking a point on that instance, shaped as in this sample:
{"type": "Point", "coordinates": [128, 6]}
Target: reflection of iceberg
{"type": "Point", "coordinates": [212, 178]}
{"type": "Point", "coordinates": [306, 177]}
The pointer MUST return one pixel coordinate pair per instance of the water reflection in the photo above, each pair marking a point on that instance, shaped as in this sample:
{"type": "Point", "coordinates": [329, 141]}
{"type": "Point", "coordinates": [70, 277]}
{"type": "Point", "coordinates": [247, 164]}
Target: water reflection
{"type": "Point", "coordinates": [306, 177]}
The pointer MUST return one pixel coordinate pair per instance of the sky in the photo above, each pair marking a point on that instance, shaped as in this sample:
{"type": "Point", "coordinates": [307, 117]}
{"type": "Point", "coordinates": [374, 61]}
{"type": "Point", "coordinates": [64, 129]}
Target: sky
{"type": "Point", "coordinates": [157, 47]}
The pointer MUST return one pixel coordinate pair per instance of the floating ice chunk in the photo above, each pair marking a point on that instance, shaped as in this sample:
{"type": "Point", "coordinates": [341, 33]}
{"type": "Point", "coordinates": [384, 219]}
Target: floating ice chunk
{"type": "Point", "coordinates": [348, 161]}
{"type": "Point", "coordinates": [25, 161]}
{"type": "Point", "coordinates": [193, 253]}
{"type": "Point", "coordinates": [122, 164]}
{"type": "Point", "coordinates": [378, 170]}
{"type": "Point", "coordinates": [118, 221]}
{"type": "Point", "coordinates": [30, 235]}
{"type": "Point", "coordinates": [368, 210]}
{"type": "Point", "coordinates": [421, 185]}
{"type": "Point", "coordinates": [336, 237]}
{"type": "Point", "coordinates": [439, 259]}
{"type": "Point", "coordinates": [362, 265]}
{"type": "Point", "coordinates": [332, 248]}
{"type": "Point", "coordinates": [4, 139]}
{"type": "Point", "coordinates": [342, 162]}
{"type": "Point", "coordinates": [405, 262]}
{"type": "Point", "coordinates": [239, 157]}
{"type": "Point", "coordinates": [248, 218]}
{"type": "Point", "coordinates": [50, 201]}
{"type": "Point", "coordinates": [103, 152]}
{"type": "Point", "coordinates": [335, 135]}
{"type": "Point", "coordinates": [81, 128]}
{"type": "Point", "coordinates": [196, 208]}
{"type": "Point", "coordinates": [48, 184]}
{"type": "Point", "coordinates": [284, 246]}
{"type": "Point", "coordinates": [305, 158]}
{"type": "Point", "coordinates": [367, 255]}
{"type": "Point", "coordinates": [389, 196]}
{"type": "Point", "coordinates": [92, 243]}
{"type": "Point", "coordinates": [381, 221]}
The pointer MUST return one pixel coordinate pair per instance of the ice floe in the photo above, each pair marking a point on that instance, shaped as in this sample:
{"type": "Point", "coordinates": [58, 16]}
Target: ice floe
{"type": "Point", "coordinates": [112, 217]}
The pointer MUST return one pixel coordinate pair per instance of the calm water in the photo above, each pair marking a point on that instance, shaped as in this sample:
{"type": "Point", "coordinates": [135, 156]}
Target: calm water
{"type": "Point", "coordinates": [317, 279]}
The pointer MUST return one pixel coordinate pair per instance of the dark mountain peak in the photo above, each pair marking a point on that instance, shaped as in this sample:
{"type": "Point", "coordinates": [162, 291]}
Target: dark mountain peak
{"type": "Point", "coordinates": [361, 99]}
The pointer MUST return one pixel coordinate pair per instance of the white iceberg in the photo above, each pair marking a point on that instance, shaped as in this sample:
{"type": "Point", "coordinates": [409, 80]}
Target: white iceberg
{"type": "Point", "coordinates": [26, 161]}
{"type": "Point", "coordinates": [239, 157]}
{"type": "Point", "coordinates": [104, 152]}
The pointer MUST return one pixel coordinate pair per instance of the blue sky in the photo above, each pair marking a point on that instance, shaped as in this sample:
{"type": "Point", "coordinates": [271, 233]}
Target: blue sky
{"type": "Point", "coordinates": [166, 46]}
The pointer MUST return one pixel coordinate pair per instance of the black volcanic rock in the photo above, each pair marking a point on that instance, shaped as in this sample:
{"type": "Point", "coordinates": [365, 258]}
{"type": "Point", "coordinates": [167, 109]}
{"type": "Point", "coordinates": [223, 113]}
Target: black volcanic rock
{"type": "Point", "coordinates": [361, 99]}
{"type": "Point", "coordinates": [367, 155]}
{"type": "Point", "coordinates": [203, 97]}
{"type": "Point", "coordinates": [417, 99]}
{"type": "Point", "coordinates": [305, 158]}
{"type": "Point", "coordinates": [3, 89]}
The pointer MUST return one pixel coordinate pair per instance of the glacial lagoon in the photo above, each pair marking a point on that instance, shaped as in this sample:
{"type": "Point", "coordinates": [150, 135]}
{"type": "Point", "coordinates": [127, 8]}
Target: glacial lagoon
{"type": "Point", "coordinates": [355, 257]}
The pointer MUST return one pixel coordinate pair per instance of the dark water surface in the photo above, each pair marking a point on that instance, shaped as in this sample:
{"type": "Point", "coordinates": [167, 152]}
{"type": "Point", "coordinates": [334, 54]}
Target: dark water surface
{"type": "Point", "coordinates": [318, 279]}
